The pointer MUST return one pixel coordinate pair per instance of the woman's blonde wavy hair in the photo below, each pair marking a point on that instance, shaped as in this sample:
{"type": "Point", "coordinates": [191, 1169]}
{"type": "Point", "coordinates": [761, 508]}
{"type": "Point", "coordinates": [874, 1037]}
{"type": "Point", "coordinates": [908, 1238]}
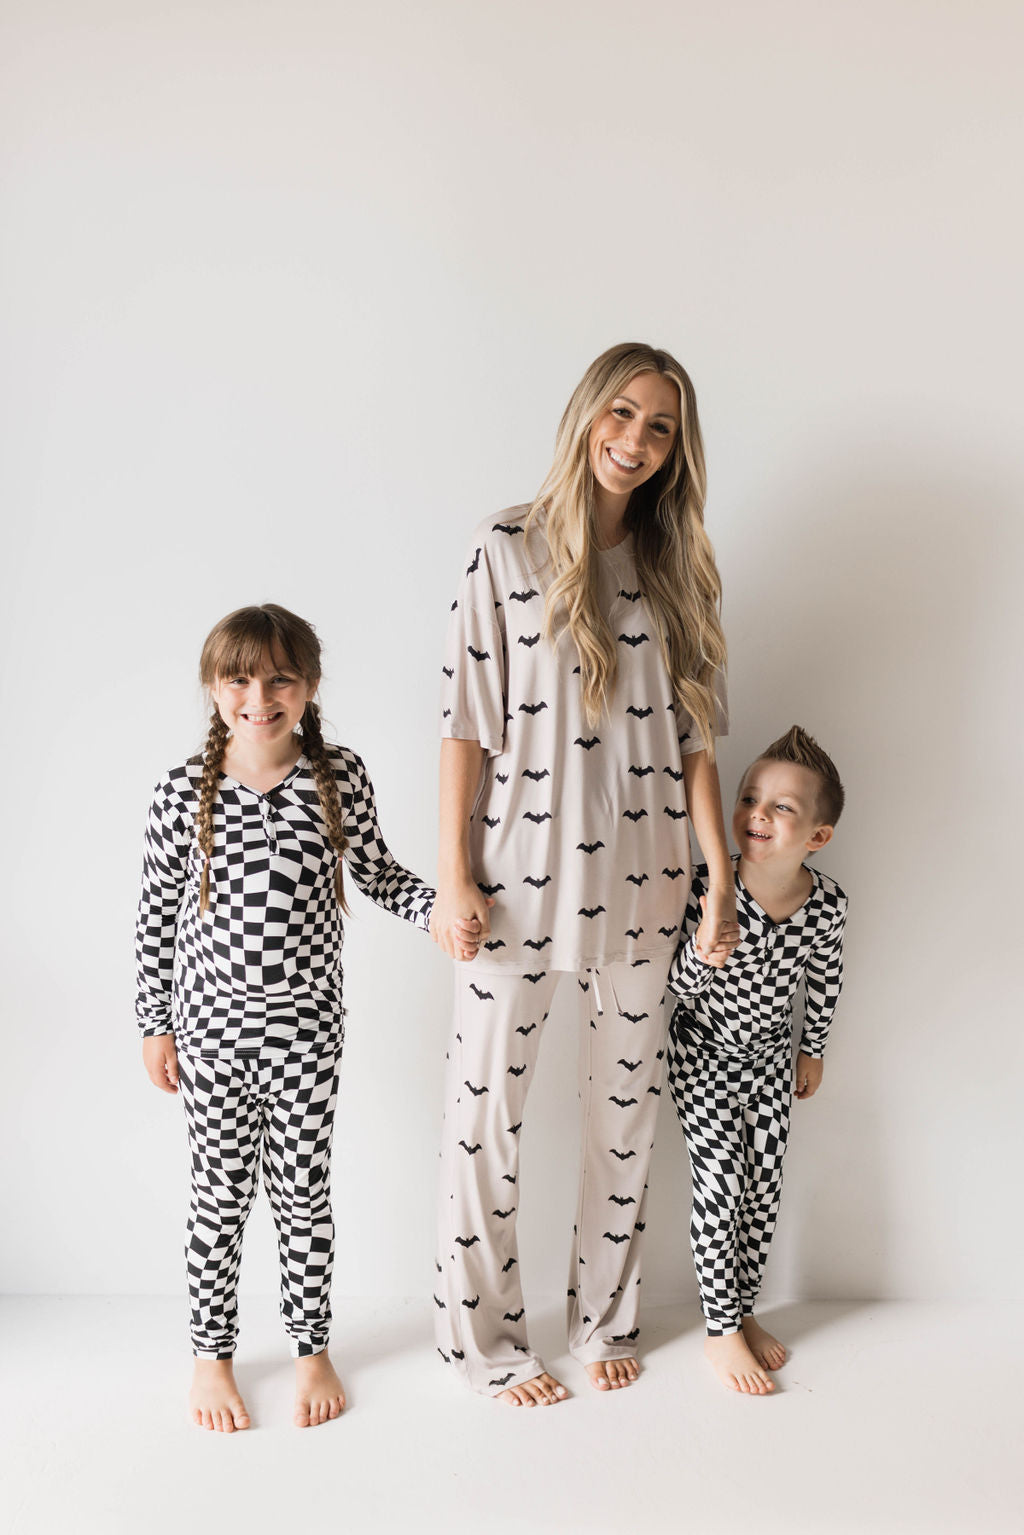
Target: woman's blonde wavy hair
{"type": "Point", "coordinates": [675, 562]}
{"type": "Point", "coordinates": [236, 647]}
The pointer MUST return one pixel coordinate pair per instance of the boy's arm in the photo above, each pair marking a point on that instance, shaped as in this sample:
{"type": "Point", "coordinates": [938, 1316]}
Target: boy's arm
{"type": "Point", "coordinates": [689, 974]}
{"type": "Point", "coordinates": [823, 981]}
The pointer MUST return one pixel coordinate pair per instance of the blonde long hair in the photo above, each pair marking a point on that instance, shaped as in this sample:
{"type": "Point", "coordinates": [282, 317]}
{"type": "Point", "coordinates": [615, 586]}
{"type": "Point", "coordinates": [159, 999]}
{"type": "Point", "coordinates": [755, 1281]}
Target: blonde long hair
{"type": "Point", "coordinates": [236, 647]}
{"type": "Point", "coordinates": [675, 561]}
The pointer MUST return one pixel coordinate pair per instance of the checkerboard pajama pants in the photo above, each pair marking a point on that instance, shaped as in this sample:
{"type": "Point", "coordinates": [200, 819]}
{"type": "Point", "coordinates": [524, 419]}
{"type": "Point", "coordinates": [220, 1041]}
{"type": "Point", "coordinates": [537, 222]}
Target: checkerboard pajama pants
{"type": "Point", "coordinates": [499, 1020]}
{"type": "Point", "coordinates": [282, 1106]}
{"type": "Point", "coordinates": [736, 1122]}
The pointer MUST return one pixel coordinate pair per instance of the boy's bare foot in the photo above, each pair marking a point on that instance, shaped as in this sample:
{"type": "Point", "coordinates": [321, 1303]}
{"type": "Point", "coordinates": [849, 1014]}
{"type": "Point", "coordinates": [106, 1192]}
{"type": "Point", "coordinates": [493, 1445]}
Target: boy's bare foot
{"type": "Point", "coordinates": [736, 1366]}
{"type": "Point", "coordinates": [765, 1349]}
{"type": "Point", "coordinates": [319, 1394]}
{"type": "Point", "coordinates": [214, 1400]}
{"type": "Point", "coordinates": [612, 1373]}
{"type": "Point", "coordinates": [541, 1391]}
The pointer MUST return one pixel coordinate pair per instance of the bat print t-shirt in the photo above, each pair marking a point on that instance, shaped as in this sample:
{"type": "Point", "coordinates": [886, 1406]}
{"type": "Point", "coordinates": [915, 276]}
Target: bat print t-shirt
{"type": "Point", "coordinates": [579, 831]}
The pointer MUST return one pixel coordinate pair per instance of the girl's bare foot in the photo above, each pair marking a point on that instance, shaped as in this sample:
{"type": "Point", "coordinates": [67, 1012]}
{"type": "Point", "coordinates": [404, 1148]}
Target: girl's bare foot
{"type": "Point", "coordinates": [214, 1400]}
{"type": "Point", "coordinates": [765, 1349]}
{"type": "Point", "coordinates": [319, 1394]}
{"type": "Point", "coordinates": [736, 1366]}
{"type": "Point", "coordinates": [541, 1391]}
{"type": "Point", "coordinates": [610, 1373]}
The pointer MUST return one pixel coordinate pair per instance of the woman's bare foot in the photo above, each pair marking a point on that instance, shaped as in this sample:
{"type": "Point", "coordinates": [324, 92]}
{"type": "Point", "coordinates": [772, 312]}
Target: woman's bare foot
{"type": "Point", "coordinates": [765, 1349]}
{"type": "Point", "coordinates": [610, 1373]}
{"type": "Point", "coordinates": [215, 1400]}
{"type": "Point", "coordinates": [541, 1391]}
{"type": "Point", "coordinates": [736, 1366]}
{"type": "Point", "coordinates": [319, 1394]}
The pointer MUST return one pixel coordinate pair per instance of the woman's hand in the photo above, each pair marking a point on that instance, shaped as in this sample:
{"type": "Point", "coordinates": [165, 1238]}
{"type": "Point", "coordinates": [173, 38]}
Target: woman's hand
{"type": "Point", "coordinates": [459, 922]}
{"type": "Point", "coordinates": [160, 1058]}
{"type": "Point", "coordinates": [719, 932]}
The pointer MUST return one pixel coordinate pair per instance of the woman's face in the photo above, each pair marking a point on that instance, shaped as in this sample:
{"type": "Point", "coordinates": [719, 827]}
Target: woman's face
{"type": "Point", "coordinates": [631, 440]}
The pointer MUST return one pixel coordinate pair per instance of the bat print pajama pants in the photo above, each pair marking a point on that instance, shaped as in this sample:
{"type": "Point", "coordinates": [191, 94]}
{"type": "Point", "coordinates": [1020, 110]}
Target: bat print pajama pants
{"type": "Point", "coordinates": [735, 1116]}
{"type": "Point", "coordinates": [237, 1108]}
{"type": "Point", "coordinates": [499, 1019]}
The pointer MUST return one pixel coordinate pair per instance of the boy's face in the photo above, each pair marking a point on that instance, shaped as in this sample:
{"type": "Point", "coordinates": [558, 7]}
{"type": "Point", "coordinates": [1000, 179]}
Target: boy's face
{"type": "Point", "coordinates": [776, 820]}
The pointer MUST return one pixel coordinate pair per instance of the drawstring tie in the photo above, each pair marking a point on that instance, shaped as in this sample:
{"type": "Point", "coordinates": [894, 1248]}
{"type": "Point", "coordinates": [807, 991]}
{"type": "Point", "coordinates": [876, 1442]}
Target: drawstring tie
{"type": "Point", "coordinates": [597, 981]}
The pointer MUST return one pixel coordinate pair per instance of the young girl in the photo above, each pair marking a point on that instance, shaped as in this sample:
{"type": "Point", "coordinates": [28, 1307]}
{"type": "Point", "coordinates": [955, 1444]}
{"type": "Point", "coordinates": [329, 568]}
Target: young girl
{"type": "Point", "coordinates": [239, 983]}
{"type": "Point", "coordinates": [582, 695]}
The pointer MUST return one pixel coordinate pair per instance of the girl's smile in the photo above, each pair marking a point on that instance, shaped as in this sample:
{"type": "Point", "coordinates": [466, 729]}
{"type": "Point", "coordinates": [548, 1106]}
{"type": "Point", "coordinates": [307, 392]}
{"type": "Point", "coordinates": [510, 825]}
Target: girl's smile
{"type": "Point", "coordinates": [263, 708]}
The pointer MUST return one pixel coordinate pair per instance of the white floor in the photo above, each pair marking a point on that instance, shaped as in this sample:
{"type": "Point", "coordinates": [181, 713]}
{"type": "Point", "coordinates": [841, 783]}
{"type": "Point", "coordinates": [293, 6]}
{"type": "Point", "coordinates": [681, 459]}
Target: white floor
{"type": "Point", "coordinates": [890, 1417]}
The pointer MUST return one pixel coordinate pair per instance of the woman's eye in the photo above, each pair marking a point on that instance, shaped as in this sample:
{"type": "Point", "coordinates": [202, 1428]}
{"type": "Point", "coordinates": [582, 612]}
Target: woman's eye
{"type": "Point", "coordinates": [660, 427]}
{"type": "Point", "coordinates": [621, 410]}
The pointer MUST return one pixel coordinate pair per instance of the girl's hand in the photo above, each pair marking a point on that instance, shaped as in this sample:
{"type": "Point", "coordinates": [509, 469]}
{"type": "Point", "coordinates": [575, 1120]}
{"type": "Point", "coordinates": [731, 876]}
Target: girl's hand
{"type": "Point", "coordinates": [467, 938]}
{"type": "Point", "coordinates": [459, 922]}
{"type": "Point", "coordinates": [160, 1058]}
{"type": "Point", "coordinates": [719, 932]}
{"type": "Point", "coordinates": [808, 1075]}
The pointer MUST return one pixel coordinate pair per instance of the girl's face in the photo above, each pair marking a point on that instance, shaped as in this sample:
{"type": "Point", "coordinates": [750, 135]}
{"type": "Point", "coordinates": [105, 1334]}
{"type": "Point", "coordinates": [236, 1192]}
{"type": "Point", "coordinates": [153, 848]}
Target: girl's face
{"type": "Point", "coordinates": [631, 440]}
{"type": "Point", "coordinates": [263, 709]}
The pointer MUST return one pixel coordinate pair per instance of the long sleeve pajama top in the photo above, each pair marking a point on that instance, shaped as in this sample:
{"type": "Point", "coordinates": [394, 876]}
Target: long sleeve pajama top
{"type": "Point", "coordinates": [261, 972]}
{"type": "Point", "coordinates": [743, 1012]}
{"type": "Point", "coordinates": [579, 832]}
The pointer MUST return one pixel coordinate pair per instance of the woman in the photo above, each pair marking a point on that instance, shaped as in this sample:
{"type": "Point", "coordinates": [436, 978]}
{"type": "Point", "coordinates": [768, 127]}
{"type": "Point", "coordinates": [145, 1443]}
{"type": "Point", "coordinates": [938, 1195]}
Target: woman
{"type": "Point", "coordinates": [582, 694]}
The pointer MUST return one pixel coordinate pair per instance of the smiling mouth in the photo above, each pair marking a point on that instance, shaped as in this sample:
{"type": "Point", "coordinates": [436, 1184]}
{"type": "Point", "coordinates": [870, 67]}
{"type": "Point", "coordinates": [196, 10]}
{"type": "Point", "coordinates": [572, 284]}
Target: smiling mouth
{"type": "Point", "coordinates": [759, 836]}
{"type": "Point", "coordinates": [621, 461]}
{"type": "Point", "coordinates": [262, 719]}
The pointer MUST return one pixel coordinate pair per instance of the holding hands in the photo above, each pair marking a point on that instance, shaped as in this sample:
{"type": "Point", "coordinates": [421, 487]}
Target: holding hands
{"type": "Point", "coordinates": [718, 933]}
{"type": "Point", "coordinates": [460, 921]}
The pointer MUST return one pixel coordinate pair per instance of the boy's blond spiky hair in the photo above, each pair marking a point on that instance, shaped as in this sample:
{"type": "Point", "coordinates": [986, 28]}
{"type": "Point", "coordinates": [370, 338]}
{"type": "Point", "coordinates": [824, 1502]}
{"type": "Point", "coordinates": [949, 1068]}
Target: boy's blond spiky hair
{"type": "Point", "coordinates": [798, 747]}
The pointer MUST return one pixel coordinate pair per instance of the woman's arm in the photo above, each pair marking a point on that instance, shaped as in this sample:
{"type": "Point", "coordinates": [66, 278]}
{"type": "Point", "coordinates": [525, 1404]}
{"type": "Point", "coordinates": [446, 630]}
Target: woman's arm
{"type": "Point", "coordinates": [719, 932]}
{"type": "Point", "coordinates": [459, 897]}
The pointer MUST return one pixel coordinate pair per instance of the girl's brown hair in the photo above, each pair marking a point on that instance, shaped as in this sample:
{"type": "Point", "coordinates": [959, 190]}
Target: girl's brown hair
{"type": "Point", "coordinates": [237, 647]}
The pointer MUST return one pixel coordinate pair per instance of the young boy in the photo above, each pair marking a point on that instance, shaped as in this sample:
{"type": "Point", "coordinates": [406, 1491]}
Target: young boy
{"type": "Point", "coordinates": [730, 1055]}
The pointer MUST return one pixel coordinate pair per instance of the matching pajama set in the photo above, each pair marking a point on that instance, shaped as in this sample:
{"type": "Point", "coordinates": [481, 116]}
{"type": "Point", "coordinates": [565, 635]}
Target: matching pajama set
{"type": "Point", "coordinates": [253, 995]}
{"type": "Point", "coordinates": [580, 834]}
{"type": "Point", "coordinates": [730, 1070]}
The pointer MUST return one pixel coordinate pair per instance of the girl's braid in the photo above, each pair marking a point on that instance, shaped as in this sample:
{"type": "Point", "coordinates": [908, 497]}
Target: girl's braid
{"type": "Point", "coordinates": [326, 782]}
{"type": "Point", "coordinates": [213, 756]}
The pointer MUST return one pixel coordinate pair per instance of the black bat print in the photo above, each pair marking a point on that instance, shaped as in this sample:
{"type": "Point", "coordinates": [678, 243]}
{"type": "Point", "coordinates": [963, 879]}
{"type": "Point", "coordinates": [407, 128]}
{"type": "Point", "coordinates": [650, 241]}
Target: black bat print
{"type": "Point", "coordinates": [523, 596]}
{"type": "Point", "coordinates": [629, 1065]}
{"type": "Point", "coordinates": [529, 640]}
{"type": "Point", "coordinates": [589, 911]}
{"type": "Point", "coordinates": [532, 708]}
{"type": "Point", "coordinates": [475, 565]}
{"type": "Point", "coordinates": [471, 1149]}
{"type": "Point", "coordinates": [491, 889]}
{"type": "Point", "coordinates": [636, 963]}
{"type": "Point", "coordinates": [583, 985]}
{"type": "Point", "coordinates": [495, 943]}
{"type": "Point", "coordinates": [513, 1317]}
{"type": "Point", "coordinates": [636, 1017]}
{"type": "Point", "coordinates": [477, 1091]}
{"type": "Point", "coordinates": [491, 820]}
{"type": "Point", "coordinates": [535, 943]}
{"type": "Point", "coordinates": [640, 772]}
{"type": "Point", "coordinates": [501, 1380]}
{"type": "Point", "coordinates": [509, 1177]}
{"type": "Point", "coordinates": [610, 1237]}
{"type": "Point", "coordinates": [479, 655]}
{"type": "Point", "coordinates": [672, 873]}
{"type": "Point", "coordinates": [633, 640]}
{"type": "Point", "coordinates": [536, 773]}
{"type": "Point", "coordinates": [588, 847]}
{"type": "Point", "coordinates": [623, 1156]}
{"type": "Point", "coordinates": [626, 1337]}
{"type": "Point", "coordinates": [538, 884]}
{"type": "Point", "coordinates": [641, 714]}
{"type": "Point", "coordinates": [636, 879]}
{"type": "Point", "coordinates": [655, 1090]}
{"type": "Point", "coordinates": [640, 1226]}
{"type": "Point", "coordinates": [537, 819]}
{"type": "Point", "coordinates": [594, 741]}
{"type": "Point", "coordinates": [571, 1294]}
{"type": "Point", "coordinates": [440, 1304]}
{"type": "Point", "coordinates": [503, 1215]}
{"type": "Point", "coordinates": [437, 1265]}
{"type": "Point", "coordinates": [468, 1241]}
{"type": "Point", "coordinates": [533, 979]}
{"type": "Point", "coordinates": [511, 528]}
{"type": "Point", "coordinates": [666, 932]}
{"type": "Point", "coordinates": [448, 671]}
{"type": "Point", "coordinates": [634, 815]}
{"type": "Point", "coordinates": [516, 1071]}
{"type": "Point", "coordinates": [673, 774]}
{"type": "Point", "coordinates": [501, 777]}
{"type": "Point", "coordinates": [498, 604]}
{"type": "Point", "coordinates": [444, 1356]}
{"type": "Point", "coordinates": [515, 1129]}
{"type": "Point", "coordinates": [485, 996]}
{"type": "Point", "coordinates": [623, 1103]}
{"type": "Point", "coordinates": [629, 596]}
{"type": "Point", "coordinates": [458, 1354]}
{"type": "Point", "coordinates": [471, 1305]}
{"type": "Point", "coordinates": [677, 815]}
{"type": "Point", "coordinates": [506, 1266]}
{"type": "Point", "coordinates": [660, 1055]}
{"type": "Point", "coordinates": [454, 605]}
{"type": "Point", "coordinates": [446, 714]}
{"type": "Point", "coordinates": [620, 1199]}
{"type": "Point", "coordinates": [526, 1031]}
{"type": "Point", "coordinates": [508, 718]}
{"type": "Point", "coordinates": [633, 932]}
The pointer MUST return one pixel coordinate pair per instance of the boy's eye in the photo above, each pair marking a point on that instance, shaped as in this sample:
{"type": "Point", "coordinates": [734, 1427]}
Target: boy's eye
{"type": "Point", "coordinates": [784, 807]}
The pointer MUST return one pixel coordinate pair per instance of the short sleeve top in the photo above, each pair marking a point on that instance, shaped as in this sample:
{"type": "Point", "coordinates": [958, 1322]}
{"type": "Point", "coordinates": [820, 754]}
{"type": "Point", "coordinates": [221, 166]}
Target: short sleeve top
{"type": "Point", "coordinates": [579, 832]}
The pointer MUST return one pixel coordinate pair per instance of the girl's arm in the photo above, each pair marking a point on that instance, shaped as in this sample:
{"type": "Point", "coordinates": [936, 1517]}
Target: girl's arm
{"type": "Point", "coordinates": [164, 873]}
{"type": "Point", "coordinates": [459, 897]}
{"type": "Point", "coordinates": [719, 932]}
{"type": "Point", "coordinates": [375, 870]}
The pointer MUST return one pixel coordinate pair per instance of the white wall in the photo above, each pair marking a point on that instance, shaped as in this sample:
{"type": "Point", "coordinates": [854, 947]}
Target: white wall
{"type": "Point", "coordinates": [293, 294]}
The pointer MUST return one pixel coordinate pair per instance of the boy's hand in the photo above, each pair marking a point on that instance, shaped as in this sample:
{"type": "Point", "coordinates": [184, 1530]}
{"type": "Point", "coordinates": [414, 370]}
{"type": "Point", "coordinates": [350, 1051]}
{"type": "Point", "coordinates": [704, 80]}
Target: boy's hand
{"type": "Point", "coordinates": [808, 1075]}
{"type": "Point", "coordinates": [719, 932]}
{"type": "Point", "coordinates": [160, 1058]}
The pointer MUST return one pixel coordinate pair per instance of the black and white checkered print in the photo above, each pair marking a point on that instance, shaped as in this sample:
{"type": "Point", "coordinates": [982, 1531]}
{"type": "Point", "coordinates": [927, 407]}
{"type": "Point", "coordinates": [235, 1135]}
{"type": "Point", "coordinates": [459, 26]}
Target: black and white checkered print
{"type": "Point", "coordinates": [284, 1108]}
{"type": "Point", "coordinates": [262, 971]}
{"type": "Point", "coordinates": [744, 1011]}
{"type": "Point", "coordinates": [736, 1120]}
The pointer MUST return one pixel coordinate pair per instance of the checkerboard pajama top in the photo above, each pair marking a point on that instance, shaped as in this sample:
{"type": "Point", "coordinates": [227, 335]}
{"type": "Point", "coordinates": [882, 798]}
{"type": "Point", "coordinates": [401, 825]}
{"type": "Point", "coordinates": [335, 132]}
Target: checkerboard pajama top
{"type": "Point", "coordinates": [261, 973]}
{"type": "Point", "coordinates": [742, 1014]}
{"type": "Point", "coordinates": [578, 831]}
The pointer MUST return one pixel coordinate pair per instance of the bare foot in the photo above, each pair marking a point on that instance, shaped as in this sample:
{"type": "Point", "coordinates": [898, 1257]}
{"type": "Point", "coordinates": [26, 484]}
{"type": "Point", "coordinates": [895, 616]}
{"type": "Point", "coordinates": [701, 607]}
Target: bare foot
{"type": "Point", "coordinates": [319, 1394]}
{"type": "Point", "coordinates": [541, 1391]}
{"type": "Point", "coordinates": [765, 1349]}
{"type": "Point", "coordinates": [612, 1373]}
{"type": "Point", "coordinates": [736, 1366]}
{"type": "Point", "coordinates": [215, 1400]}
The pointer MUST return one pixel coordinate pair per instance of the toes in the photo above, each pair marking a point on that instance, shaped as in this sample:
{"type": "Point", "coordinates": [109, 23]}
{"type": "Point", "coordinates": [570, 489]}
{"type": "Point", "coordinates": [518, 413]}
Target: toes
{"type": "Point", "coordinates": [301, 1418]}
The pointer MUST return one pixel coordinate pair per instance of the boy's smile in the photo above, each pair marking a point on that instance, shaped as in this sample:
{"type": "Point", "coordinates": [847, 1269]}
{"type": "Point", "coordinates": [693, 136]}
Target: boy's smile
{"type": "Point", "coordinates": [777, 819]}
